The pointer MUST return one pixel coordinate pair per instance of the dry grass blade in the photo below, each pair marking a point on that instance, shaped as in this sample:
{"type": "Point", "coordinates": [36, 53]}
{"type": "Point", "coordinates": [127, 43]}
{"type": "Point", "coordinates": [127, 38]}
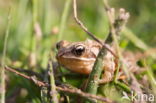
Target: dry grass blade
{"type": "Point", "coordinates": [2, 70]}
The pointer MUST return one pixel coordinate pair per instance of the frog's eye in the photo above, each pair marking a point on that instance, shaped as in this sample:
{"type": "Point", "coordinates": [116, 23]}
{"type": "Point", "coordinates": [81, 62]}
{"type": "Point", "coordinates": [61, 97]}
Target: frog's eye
{"type": "Point", "coordinates": [79, 50]}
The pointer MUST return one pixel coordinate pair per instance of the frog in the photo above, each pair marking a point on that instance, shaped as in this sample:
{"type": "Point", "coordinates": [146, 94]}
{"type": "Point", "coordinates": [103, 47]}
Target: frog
{"type": "Point", "coordinates": [79, 57]}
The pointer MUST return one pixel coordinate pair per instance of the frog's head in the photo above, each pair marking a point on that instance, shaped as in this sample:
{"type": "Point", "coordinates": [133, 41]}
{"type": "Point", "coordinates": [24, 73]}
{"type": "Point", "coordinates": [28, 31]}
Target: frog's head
{"type": "Point", "coordinates": [78, 56]}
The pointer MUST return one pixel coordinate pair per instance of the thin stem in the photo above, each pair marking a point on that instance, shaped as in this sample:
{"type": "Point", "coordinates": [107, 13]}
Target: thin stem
{"type": "Point", "coordinates": [123, 86]}
{"type": "Point", "coordinates": [2, 72]}
{"type": "Point", "coordinates": [53, 92]}
{"type": "Point", "coordinates": [64, 19]}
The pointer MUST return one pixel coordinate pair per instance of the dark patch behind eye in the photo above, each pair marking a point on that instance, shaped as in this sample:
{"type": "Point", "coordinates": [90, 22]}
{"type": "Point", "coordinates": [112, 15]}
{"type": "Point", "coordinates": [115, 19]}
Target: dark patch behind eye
{"type": "Point", "coordinates": [57, 46]}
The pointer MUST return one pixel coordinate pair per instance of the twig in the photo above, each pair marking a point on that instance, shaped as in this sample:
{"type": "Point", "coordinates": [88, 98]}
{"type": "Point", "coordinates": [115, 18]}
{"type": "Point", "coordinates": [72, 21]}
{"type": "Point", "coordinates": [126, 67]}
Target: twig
{"type": "Point", "coordinates": [85, 95]}
{"type": "Point", "coordinates": [96, 71]}
{"type": "Point", "coordinates": [37, 82]}
{"type": "Point", "coordinates": [2, 70]}
{"type": "Point", "coordinates": [30, 72]}
{"type": "Point", "coordinates": [62, 89]}
{"type": "Point", "coordinates": [86, 30]}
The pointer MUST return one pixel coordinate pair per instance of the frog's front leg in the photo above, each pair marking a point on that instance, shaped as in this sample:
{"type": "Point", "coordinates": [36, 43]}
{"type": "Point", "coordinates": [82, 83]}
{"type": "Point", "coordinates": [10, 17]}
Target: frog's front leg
{"type": "Point", "coordinates": [109, 67]}
{"type": "Point", "coordinates": [106, 77]}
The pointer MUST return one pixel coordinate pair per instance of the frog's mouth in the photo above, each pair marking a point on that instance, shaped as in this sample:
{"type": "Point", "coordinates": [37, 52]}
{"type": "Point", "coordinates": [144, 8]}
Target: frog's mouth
{"type": "Point", "coordinates": [81, 58]}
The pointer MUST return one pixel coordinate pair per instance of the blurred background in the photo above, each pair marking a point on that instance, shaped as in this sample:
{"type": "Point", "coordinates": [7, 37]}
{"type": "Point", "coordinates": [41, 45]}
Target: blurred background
{"type": "Point", "coordinates": [37, 25]}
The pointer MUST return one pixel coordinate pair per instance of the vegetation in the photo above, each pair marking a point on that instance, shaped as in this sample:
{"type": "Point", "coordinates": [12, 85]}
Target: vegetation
{"type": "Point", "coordinates": [30, 29]}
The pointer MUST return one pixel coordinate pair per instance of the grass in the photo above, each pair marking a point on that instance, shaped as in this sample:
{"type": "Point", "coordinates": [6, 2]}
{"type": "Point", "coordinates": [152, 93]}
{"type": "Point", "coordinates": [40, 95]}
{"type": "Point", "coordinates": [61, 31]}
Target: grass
{"type": "Point", "coordinates": [3, 62]}
{"type": "Point", "coordinates": [23, 41]}
{"type": "Point", "coordinates": [64, 19]}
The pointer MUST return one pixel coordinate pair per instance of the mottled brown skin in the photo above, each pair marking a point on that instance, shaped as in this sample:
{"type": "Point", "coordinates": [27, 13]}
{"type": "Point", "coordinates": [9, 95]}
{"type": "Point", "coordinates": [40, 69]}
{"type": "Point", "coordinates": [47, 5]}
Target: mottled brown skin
{"type": "Point", "coordinates": [79, 57]}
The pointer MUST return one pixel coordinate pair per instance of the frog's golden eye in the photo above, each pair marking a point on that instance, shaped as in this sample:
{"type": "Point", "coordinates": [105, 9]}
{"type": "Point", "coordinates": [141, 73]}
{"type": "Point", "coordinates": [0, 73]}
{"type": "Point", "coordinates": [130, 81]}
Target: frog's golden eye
{"type": "Point", "coordinates": [78, 50]}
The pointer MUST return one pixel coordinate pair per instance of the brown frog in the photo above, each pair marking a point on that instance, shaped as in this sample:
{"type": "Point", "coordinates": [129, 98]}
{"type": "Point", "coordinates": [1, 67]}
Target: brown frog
{"type": "Point", "coordinates": [79, 57]}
